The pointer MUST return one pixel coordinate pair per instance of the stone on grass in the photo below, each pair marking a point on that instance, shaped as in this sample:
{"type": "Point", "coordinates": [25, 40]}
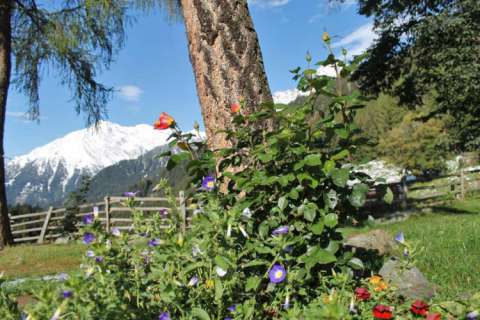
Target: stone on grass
{"type": "Point", "coordinates": [409, 283]}
{"type": "Point", "coordinates": [62, 240]}
{"type": "Point", "coordinates": [376, 240]}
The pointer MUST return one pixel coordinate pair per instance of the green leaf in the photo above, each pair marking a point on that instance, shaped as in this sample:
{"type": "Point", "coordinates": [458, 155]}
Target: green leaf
{"type": "Point", "coordinates": [313, 160]}
{"type": "Point", "coordinates": [218, 289]}
{"type": "Point", "coordinates": [341, 155]}
{"type": "Point", "coordinates": [340, 177]}
{"type": "Point", "coordinates": [359, 195]}
{"type": "Point", "coordinates": [282, 203]}
{"type": "Point", "coordinates": [317, 228]}
{"type": "Point", "coordinates": [222, 262]}
{"type": "Point", "coordinates": [356, 264]}
{"type": "Point", "coordinates": [200, 314]}
{"type": "Point", "coordinates": [252, 283]}
{"type": "Point", "coordinates": [328, 166]}
{"type": "Point", "coordinates": [331, 198]}
{"type": "Point", "coordinates": [317, 255]}
{"type": "Point", "coordinates": [331, 220]}
{"type": "Point", "coordinates": [388, 197]}
{"type": "Point", "coordinates": [309, 212]}
{"type": "Point", "coordinates": [293, 194]}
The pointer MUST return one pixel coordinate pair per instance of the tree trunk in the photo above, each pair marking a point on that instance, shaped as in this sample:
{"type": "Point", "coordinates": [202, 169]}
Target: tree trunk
{"type": "Point", "coordinates": [6, 8]}
{"type": "Point", "coordinates": [227, 61]}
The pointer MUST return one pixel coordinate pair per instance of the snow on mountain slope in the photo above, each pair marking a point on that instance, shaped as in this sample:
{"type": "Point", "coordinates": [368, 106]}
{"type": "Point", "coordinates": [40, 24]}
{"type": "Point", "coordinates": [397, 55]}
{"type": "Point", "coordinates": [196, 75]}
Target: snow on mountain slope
{"type": "Point", "coordinates": [55, 168]}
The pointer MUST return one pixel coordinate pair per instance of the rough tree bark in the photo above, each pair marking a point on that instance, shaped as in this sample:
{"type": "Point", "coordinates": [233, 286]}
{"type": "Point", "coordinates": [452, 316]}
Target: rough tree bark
{"type": "Point", "coordinates": [6, 8]}
{"type": "Point", "coordinates": [226, 59]}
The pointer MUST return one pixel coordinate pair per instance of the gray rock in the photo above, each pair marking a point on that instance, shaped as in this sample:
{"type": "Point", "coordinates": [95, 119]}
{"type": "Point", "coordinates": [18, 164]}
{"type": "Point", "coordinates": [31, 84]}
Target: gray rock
{"type": "Point", "coordinates": [409, 282]}
{"type": "Point", "coordinates": [62, 240]}
{"type": "Point", "coordinates": [377, 240]}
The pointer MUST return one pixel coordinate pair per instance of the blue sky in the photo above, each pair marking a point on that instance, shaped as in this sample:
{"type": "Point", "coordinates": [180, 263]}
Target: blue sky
{"type": "Point", "coordinates": [153, 72]}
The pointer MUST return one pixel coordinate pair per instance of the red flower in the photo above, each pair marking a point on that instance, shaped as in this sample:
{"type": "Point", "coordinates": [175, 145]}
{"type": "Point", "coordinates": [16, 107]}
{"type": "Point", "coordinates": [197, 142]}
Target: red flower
{"type": "Point", "coordinates": [235, 107]}
{"type": "Point", "coordinates": [165, 121]}
{"type": "Point", "coordinates": [434, 316]}
{"type": "Point", "coordinates": [419, 308]}
{"type": "Point", "coordinates": [382, 312]}
{"type": "Point", "coordinates": [362, 294]}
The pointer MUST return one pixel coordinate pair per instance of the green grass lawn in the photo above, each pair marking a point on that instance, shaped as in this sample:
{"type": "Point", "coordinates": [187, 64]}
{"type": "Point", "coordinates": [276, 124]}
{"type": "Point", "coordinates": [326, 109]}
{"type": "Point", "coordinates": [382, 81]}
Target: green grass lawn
{"type": "Point", "coordinates": [37, 260]}
{"type": "Point", "coordinates": [450, 237]}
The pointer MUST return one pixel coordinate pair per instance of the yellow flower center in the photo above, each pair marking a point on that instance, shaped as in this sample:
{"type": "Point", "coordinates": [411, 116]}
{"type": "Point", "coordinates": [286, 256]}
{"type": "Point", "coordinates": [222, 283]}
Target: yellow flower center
{"type": "Point", "coordinates": [278, 274]}
{"type": "Point", "coordinates": [210, 184]}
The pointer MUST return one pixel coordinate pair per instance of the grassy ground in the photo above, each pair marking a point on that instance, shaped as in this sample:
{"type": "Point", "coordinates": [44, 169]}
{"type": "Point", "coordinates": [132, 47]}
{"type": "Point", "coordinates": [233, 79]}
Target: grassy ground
{"type": "Point", "coordinates": [38, 260]}
{"type": "Point", "coordinates": [450, 237]}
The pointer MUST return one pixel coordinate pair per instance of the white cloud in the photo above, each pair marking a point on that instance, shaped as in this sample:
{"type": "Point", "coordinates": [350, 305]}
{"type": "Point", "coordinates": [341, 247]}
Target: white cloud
{"type": "Point", "coordinates": [16, 114]}
{"type": "Point", "coordinates": [326, 71]}
{"type": "Point", "coordinates": [269, 3]}
{"type": "Point", "coordinates": [287, 96]}
{"type": "Point", "coordinates": [358, 41]}
{"type": "Point", "coordinates": [130, 93]}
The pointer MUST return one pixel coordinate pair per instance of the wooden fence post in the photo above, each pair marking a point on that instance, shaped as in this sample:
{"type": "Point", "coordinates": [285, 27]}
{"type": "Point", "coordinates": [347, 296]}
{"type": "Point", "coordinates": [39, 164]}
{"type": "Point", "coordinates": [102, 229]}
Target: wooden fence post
{"type": "Point", "coordinates": [462, 184]}
{"type": "Point", "coordinates": [41, 238]}
{"type": "Point", "coordinates": [107, 213]}
{"type": "Point", "coordinates": [183, 212]}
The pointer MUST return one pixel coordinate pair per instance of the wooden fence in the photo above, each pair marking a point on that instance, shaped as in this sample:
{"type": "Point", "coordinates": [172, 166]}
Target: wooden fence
{"type": "Point", "coordinates": [456, 185]}
{"type": "Point", "coordinates": [48, 225]}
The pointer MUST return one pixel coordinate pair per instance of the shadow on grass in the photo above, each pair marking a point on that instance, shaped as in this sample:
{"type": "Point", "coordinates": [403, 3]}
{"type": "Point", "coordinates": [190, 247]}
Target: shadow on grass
{"type": "Point", "coordinates": [450, 210]}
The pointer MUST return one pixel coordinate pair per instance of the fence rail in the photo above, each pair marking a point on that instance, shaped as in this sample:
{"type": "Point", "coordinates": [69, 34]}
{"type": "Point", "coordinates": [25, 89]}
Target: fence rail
{"type": "Point", "coordinates": [46, 225]}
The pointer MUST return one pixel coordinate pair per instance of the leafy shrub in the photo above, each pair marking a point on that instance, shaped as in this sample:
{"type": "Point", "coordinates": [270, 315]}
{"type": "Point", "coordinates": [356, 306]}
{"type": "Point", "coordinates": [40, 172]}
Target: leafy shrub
{"type": "Point", "coordinates": [264, 240]}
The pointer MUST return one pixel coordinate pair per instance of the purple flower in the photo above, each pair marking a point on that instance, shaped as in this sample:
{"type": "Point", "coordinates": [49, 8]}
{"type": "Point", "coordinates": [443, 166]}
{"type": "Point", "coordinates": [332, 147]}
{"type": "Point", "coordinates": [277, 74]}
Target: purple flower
{"type": "Point", "coordinates": [90, 254]}
{"type": "Point", "coordinates": [277, 273]}
{"type": "Point", "coordinates": [67, 294]}
{"type": "Point", "coordinates": [228, 318]}
{"type": "Point", "coordinates": [99, 259]}
{"type": "Point", "coordinates": [154, 242]}
{"type": "Point", "coordinates": [208, 183]}
{"type": "Point", "coordinates": [88, 237]}
{"type": "Point", "coordinates": [193, 281]}
{"type": "Point", "coordinates": [280, 230]}
{"type": "Point", "coordinates": [473, 315]}
{"type": "Point", "coordinates": [232, 308]}
{"type": "Point", "coordinates": [88, 219]}
{"type": "Point", "coordinates": [163, 212]}
{"type": "Point", "coordinates": [130, 194]}
{"type": "Point", "coordinates": [400, 238]}
{"type": "Point", "coordinates": [116, 232]}
{"type": "Point", "coordinates": [164, 316]}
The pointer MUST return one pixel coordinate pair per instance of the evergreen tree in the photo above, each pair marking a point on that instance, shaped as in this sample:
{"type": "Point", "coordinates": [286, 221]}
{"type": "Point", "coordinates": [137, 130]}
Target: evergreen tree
{"type": "Point", "coordinates": [76, 38]}
{"type": "Point", "coordinates": [425, 48]}
{"type": "Point", "coordinates": [72, 205]}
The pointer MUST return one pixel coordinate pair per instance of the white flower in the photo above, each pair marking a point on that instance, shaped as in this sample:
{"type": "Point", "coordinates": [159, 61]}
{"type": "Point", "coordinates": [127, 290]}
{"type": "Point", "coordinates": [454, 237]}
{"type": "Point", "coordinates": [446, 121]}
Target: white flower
{"type": "Point", "coordinates": [246, 213]}
{"type": "Point", "coordinates": [220, 271]}
{"type": "Point", "coordinates": [193, 281]}
{"type": "Point", "coordinates": [95, 212]}
{"type": "Point", "coordinates": [116, 232]}
{"type": "Point", "coordinates": [196, 251]}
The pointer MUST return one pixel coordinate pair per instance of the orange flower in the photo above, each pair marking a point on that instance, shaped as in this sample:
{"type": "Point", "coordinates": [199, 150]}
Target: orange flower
{"type": "Point", "coordinates": [235, 107]}
{"type": "Point", "coordinates": [379, 284]}
{"type": "Point", "coordinates": [165, 121]}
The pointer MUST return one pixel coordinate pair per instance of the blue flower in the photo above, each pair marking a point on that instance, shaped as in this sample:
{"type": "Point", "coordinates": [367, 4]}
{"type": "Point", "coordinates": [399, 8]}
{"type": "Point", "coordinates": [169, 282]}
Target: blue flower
{"type": "Point", "coordinates": [154, 242]}
{"type": "Point", "coordinates": [88, 237]}
{"type": "Point", "coordinates": [193, 281]}
{"type": "Point", "coordinates": [400, 238]}
{"type": "Point", "coordinates": [67, 294]}
{"type": "Point", "coordinates": [164, 316]}
{"type": "Point", "coordinates": [88, 219]}
{"type": "Point", "coordinates": [473, 315]}
{"type": "Point", "coordinates": [280, 230]}
{"type": "Point", "coordinates": [277, 273]}
{"type": "Point", "coordinates": [232, 308]}
{"type": "Point", "coordinates": [208, 183]}
{"type": "Point", "coordinates": [130, 194]}
{"type": "Point", "coordinates": [90, 254]}
{"type": "Point", "coordinates": [99, 259]}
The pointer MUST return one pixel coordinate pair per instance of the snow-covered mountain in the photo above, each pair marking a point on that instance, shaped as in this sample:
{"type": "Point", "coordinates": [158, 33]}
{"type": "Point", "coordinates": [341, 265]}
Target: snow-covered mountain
{"type": "Point", "coordinates": [48, 173]}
